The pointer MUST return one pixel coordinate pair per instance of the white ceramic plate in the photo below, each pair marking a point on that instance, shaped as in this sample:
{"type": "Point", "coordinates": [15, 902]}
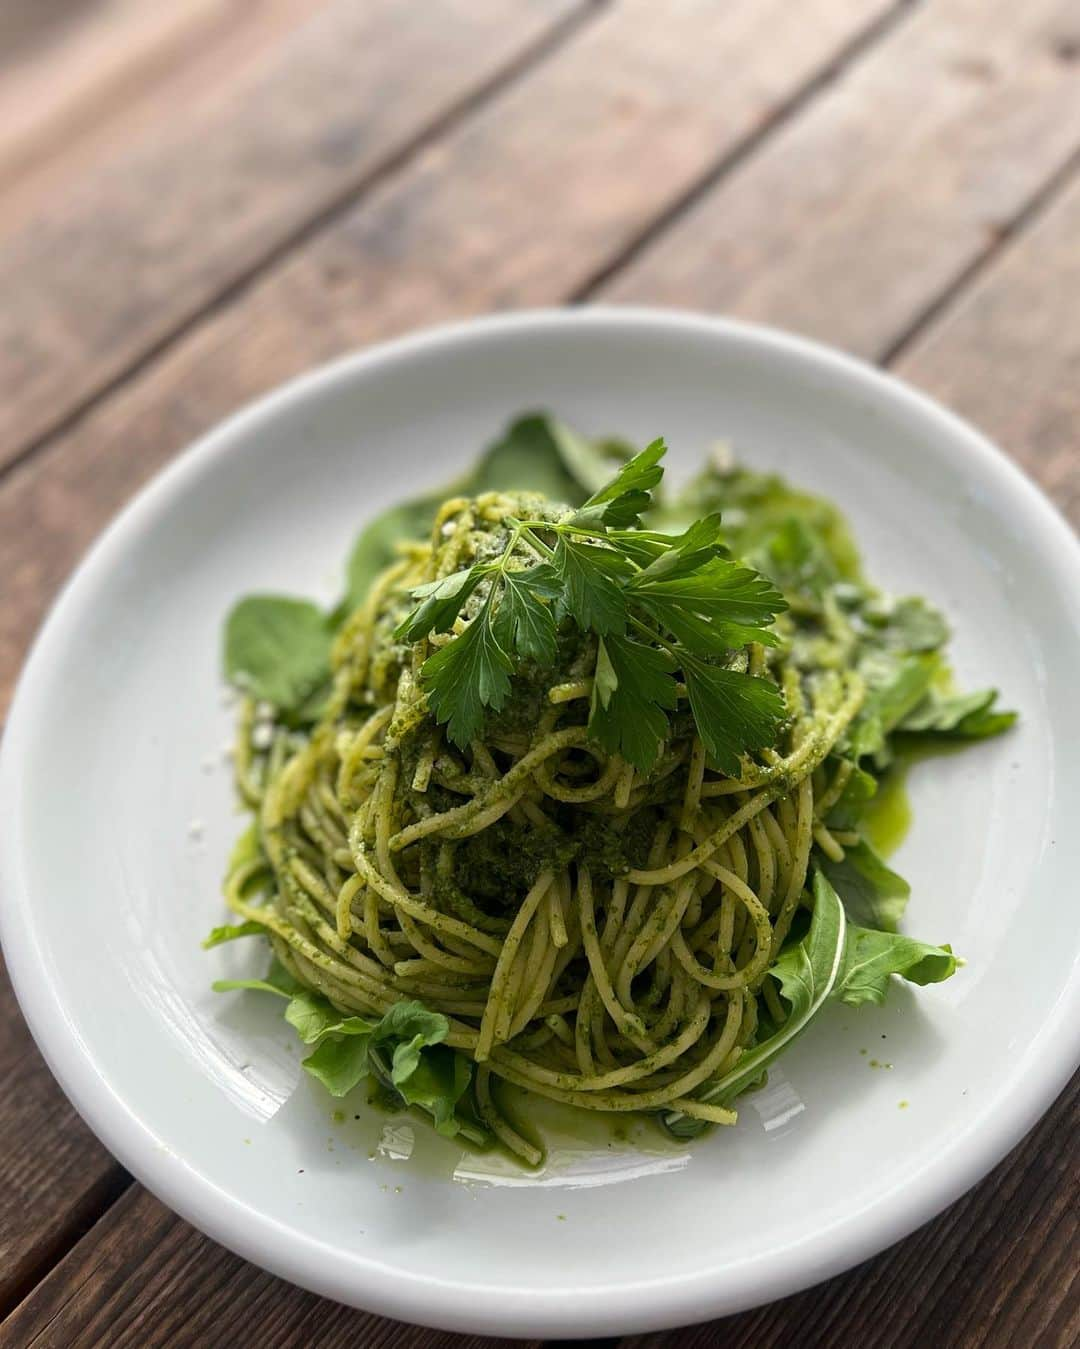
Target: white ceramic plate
{"type": "Point", "coordinates": [117, 816]}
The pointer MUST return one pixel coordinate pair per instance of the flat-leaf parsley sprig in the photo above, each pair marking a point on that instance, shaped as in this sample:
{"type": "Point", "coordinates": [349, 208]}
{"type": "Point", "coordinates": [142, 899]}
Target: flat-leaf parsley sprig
{"type": "Point", "coordinates": [671, 614]}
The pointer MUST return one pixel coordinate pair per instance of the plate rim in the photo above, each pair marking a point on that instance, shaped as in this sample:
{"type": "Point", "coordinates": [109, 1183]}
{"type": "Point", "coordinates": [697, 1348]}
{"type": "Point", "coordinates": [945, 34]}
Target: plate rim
{"type": "Point", "coordinates": [476, 1307]}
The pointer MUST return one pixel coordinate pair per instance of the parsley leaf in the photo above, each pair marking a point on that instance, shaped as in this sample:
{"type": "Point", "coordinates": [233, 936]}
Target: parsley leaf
{"type": "Point", "coordinates": [441, 602]}
{"type": "Point", "coordinates": [622, 501]}
{"type": "Point", "coordinates": [466, 675]}
{"type": "Point", "coordinates": [591, 576]}
{"type": "Point", "coordinates": [524, 621]}
{"type": "Point", "coordinates": [734, 712]}
{"type": "Point", "coordinates": [709, 603]}
{"type": "Point", "coordinates": [633, 690]}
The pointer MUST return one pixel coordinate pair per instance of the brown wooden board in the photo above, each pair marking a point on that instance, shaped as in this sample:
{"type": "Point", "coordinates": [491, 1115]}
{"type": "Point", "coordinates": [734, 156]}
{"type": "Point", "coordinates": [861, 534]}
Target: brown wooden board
{"type": "Point", "coordinates": [441, 247]}
{"type": "Point", "coordinates": [154, 225]}
{"type": "Point", "coordinates": [71, 70]}
{"type": "Point", "coordinates": [469, 225]}
{"type": "Point", "coordinates": [639, 87]}
{"type": "Point", "coordinates": [998, 1270]}
{"type": "Point", "coordinates": [1007, 355]}
{"type": "Point", "coordinates": [859, 213]}
{"type": "Point", "coordinates": [143, 1277]}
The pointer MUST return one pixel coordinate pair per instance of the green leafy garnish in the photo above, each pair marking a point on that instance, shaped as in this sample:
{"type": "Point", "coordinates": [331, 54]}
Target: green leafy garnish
{"type": "Point", "coordinates": [535, 454]}
{"type": "Point", "coordinates": [277, 649]}
{"type": "Point", "coordinates": [957, 716]}
{"type": "Point", "coordinates": [806, 973]}
{"type": "Point", "coordinates": [871, 957]}
{"type": "Point", "coordinates": [403, 1049]}
{"type": "Point", "coordinates": [231, 932]}
{"type": "Point", "coordinates": [872, 893]}
{"type": "Point", "coordinates": [660, 605]}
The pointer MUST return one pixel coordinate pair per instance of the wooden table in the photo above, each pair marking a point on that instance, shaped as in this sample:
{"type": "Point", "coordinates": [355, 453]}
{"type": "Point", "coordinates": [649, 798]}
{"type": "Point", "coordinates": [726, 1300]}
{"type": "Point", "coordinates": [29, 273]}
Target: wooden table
{"type": "Point", "coordinates": [202, 199]}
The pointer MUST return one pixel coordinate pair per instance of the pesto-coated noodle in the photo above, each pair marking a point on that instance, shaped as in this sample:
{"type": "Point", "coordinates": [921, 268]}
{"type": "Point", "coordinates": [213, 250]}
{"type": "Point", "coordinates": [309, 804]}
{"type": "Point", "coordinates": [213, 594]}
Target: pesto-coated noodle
{"type": "Point", "coordinates": [615, 971]}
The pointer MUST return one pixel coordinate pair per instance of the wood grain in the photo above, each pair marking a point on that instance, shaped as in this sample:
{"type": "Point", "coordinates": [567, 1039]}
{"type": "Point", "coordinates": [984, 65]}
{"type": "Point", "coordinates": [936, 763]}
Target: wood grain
{"type": "Point", "coordinates": [142, 1276]}
{"type": "Point", "coordinates": [997, 1270]}
{"type": "Point", "coordinates": [68, 69]}
{"type": "Point", "coordinates": [155, 225]}
{"type": "Point", "coordinates": [467, 226]}
{"type": "Point", "coordinates": [627, 88]}
{"type": "Point", "coordinates": [859, 213]}
{"type": "Point", "coordinates": [530, 201]}
{"type": "Point", "coordinates": [56, 1176]}
{"type": "Point", "coordinates": [1007, 354]}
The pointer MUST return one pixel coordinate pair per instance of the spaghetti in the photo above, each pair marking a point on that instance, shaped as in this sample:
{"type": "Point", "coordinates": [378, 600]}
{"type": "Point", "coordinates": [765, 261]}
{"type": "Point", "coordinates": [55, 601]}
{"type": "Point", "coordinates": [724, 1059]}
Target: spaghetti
{"type": "Point", "coordinates": [594, 934]}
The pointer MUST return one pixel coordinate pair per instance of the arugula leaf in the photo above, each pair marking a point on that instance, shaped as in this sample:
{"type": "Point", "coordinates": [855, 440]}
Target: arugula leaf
{"type": "Point", "coordinates": [797, 559]}
{"type": "Point", "coordinates": [340, 1064]}
{"type": "Point", "coordinates": [910, 624]}
{"type": "Point", "coordinates": [524, 622]}
{"type": "Point", "coordinates": [860, 788]}
{"type": "Point", "coordinates": [807, 973]}
{"type": "Point", "coordinates": [468, 674]}
{"type": "Point", "coordinates": [873, 895]}
{"type": "Point", "coordinates": [435, 1079]}
{"type": "Point", "coordinates": [278, 981]}
{"type": "Point", "coordinates": [707, 602]}
{"type": "Point", "coordinates": [277, 649]}
{"type": "Point", "coordinates": [591, 576]}
{"type": "Point", "coordinates": [959, 716]}
{"type": "Point", "coordinates": [312, 1016]}
{"type": "Point", "coordinates": [256, 985]}
{"type": "Point", "coordinates": [376, 545]}
{"type": "Point", "coordinates": [734, 712]}
{"type": "Point", "coordinates": [230, 932]}
{"type": "Point", "coordinates": [871, 957]}
{"type": "Point", "coordinates": [895, 684]}
{"type": "Point", "coordinates": [540, 454]}
{"type": "Point", "coordinates": [633, 689]}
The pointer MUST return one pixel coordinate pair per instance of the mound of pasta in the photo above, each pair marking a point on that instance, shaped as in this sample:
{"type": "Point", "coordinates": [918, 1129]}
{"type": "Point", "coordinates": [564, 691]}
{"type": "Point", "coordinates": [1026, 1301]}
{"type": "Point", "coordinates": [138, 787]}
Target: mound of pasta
{"type": "Point", "coordinates": [572, 800]}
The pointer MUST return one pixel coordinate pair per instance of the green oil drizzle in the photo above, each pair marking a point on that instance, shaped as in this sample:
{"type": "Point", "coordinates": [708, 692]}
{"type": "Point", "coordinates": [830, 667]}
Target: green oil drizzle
{"type": "Point", "coordinates": [887, 818]}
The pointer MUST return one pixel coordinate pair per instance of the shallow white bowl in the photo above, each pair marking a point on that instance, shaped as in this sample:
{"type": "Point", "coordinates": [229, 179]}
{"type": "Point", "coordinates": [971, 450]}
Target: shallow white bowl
{"type": "Point", "coordinates": [117, 816]}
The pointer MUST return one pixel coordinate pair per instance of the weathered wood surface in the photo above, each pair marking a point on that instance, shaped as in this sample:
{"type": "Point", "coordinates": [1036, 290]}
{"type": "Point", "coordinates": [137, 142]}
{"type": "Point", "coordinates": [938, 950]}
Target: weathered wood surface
{"type": "Point", "coordinates": [895, 177]}
{"type": "Point", "coordinates": [152, 227]}
{"type": "Point", "coordinates": [859, 214]}
{"type": "Point", "coordinates": [143, 1277]}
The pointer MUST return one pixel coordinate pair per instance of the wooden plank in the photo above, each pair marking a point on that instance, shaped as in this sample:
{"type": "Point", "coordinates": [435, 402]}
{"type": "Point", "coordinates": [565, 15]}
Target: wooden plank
{"type": "Point", "coordinates": [143, 1277]}
{"type": "Point", "coordinates": [632, 86]}
{"type": "Point", "coordinates": [996, 1270]}
{"type": "Point", "coordinates": [858, 214]}
{"type": "Point", "coordinates": [68, 68]}
{"type": "Point", "coordinates": [157, 222]}
{"type": "Point", "coordinates": [1008, 354]}
{"type": "Point", "coordinates": [49, 509]}
{"type": "Point", "coordinates": [468, 226]}
{"type": "Point", "coordinates": [58, 1173]}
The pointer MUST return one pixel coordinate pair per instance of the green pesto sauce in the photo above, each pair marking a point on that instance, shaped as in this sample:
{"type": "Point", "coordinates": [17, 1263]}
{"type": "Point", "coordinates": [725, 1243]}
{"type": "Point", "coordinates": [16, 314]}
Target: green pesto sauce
{"type": "Point", "coordinates": [563, 1132]}
{"type": "Point", "coordinates": [558, 1128]}
{"type": "Point", "coordinates": [887, 815]}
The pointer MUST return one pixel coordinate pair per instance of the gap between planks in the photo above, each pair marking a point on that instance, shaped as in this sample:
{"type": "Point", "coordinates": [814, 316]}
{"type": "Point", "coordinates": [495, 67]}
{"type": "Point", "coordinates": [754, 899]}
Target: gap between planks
{"type": "Point", "coordinates": [561, 31]}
